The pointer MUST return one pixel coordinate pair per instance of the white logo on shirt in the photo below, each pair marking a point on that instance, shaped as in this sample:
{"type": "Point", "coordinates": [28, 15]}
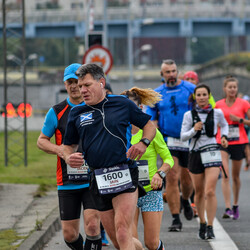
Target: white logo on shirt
{"type": "Point", "coordinates": [86, 118]}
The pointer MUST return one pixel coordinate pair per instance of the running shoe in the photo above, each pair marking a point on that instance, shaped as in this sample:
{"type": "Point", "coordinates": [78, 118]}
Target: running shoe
{"type": "Point", "coordinates": [236, 213]}
{"type": "Point", "coordinates": [227, 214]}
{"type": "Point", "coordinates": [188, 211]}
{"type": "Point", "coordinates": [176, 226]}
{"type": "Point", "coordinates": [195, 212]}
{"type": "Point", "coordinates": [210, 233]}
{"type": "Point", "coordinates": [202, 231]}
{"type": "Point", "coordinates": [162, 246]}
{"type": "Point", "coordinates": [104, 238]}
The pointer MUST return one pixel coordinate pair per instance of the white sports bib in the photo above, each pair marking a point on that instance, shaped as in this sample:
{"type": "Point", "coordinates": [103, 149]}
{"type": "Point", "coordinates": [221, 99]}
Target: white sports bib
{"type": "Point", "coordinates": [234, 132]}
{"type": "Point", "coordinates": [78, 173]}
{"type": "Point", "coordinates": [211, 155]}
{"type": "Point", "coordinates": [114, 179]}
{"type": "Point", "coordinates": [143, 172]}
{"type": "Point", "coordinates": [177, 144]}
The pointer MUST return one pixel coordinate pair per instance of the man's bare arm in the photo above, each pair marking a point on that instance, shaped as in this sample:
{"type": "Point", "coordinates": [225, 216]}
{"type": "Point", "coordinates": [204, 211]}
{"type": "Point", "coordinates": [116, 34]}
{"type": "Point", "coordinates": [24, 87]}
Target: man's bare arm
{"type": "Point", "coordinates": [44, 143]}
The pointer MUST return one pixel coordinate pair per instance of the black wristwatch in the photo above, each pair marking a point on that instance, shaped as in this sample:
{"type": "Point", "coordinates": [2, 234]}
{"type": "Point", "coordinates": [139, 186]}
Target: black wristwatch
{"type": "Point", "coordinates": [241, 120]}
{"type": "Point", "coordinates": [161, 173]}
{"type": "Point", "coordinates": [145, 141]}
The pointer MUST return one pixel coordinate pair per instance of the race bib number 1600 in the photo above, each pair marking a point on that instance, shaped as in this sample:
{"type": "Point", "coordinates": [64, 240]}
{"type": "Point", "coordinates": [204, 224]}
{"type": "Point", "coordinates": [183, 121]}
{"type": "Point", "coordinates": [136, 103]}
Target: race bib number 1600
{"type": "Point", "coordinates": [114, 179]}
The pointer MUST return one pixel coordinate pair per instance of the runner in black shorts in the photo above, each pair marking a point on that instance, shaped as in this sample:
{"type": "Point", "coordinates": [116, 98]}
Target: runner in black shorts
{"type": "Point", "coordinates": [182, 156]}
{"type": "Point", "coordinates": [235, 152]}
{"type": "Point", "coordinates": [103, 123]}
{"type": "Point", "coordinates": [72, 184]}
{"type": "Point", "coordinates": [200, 125]}
{"type": "Point", "coordinates": [235, 110]}
{"type": "Point", "coordinates": [167, 116]}
{"type": "Point", "coordinates": [71, 202]}
{"type": "Point", "coordinates": [104, 202]}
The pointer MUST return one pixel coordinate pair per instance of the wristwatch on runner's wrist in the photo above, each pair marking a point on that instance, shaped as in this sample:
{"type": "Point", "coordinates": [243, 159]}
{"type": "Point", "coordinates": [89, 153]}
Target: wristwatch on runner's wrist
{"type": "Point", "coordinates": [241, 120]}
{"type": "Point", "coordinates": [145, 141]}
{"type": "Point", "coordinates": [162, 174]}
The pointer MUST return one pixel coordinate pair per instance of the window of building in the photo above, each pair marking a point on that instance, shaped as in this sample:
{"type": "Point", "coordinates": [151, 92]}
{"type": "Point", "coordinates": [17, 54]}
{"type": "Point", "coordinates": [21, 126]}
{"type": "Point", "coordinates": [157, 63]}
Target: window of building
{"type": "Point", "coordinates": [117, 3]}
{"type": "Point", "coordinates": [151, 2]}
{"type": "Point", "coordinates": [76, 5]}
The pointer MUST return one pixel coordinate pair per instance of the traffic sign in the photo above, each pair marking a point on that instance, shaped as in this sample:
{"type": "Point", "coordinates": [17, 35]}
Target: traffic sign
{"type": "Point", "coordinates": [99, 55]}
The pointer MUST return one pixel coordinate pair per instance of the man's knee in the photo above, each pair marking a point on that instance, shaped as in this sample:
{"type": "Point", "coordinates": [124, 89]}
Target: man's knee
{"type": "Point", "coordinates": [122, 233]}
{"type": "Point", "coordinates": [186, 180]}
{"type": "Point", "coordinates": [92, 225]}
{"type": "Point", "coordinates": [172, 178]}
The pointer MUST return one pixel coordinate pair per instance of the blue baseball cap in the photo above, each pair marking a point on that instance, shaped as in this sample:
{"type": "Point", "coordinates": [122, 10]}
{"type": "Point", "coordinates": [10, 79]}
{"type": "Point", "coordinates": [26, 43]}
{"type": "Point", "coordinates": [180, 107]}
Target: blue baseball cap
{"type": "Point", "coordinates": [70, 71]}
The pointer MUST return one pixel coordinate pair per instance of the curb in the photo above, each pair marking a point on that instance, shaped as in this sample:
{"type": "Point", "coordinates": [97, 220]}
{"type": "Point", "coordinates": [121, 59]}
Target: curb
{"type": "Point", "coordinates": [38, 239]}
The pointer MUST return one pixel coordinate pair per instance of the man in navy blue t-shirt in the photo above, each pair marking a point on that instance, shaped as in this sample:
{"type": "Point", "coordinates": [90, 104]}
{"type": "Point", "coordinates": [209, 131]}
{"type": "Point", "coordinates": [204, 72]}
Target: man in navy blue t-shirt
{"type": "Point", "coordinates": [103, 124]}
{"type": "Point", "coordinates": [72, 183]}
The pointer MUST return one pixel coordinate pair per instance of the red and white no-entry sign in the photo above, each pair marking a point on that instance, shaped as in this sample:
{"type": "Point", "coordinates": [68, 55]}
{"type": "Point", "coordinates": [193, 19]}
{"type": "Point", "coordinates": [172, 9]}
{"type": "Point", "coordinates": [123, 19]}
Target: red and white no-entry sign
{"type": "Point", "coordinates": [100, 55]}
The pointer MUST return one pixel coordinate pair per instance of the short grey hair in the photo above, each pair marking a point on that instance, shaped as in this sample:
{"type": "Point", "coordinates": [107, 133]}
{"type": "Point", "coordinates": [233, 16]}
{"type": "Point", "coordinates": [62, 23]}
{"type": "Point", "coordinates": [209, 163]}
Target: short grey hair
{"type": "Point", "coordinates": [168, 61]}
{"type": "Point", "coordinates": [90, 68]}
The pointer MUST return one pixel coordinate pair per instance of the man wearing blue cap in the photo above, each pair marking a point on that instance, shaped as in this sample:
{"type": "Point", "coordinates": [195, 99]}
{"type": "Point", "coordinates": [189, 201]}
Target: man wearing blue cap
{"type": "Point", "coordinates": [72, 183]}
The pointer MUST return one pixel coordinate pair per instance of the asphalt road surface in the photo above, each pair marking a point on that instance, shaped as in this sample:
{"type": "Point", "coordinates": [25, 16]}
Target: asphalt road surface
{"type": "Point", "coordinates": [230, 234]}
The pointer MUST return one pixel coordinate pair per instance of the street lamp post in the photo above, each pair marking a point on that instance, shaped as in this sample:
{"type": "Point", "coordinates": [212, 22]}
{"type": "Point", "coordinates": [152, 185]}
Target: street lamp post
{"type": "Point", "coordinates": [146, 21]}
{"type": "Point", "coordinates": [143, 48]}
{"type": "Point", "coordinates": [130, 48]}
{"type": "Point", "coordinates": [18, 61]}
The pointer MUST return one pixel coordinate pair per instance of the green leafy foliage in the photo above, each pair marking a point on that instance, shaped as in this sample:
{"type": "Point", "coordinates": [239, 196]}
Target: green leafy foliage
{"type": "Point", "coordinates": [207, 48]}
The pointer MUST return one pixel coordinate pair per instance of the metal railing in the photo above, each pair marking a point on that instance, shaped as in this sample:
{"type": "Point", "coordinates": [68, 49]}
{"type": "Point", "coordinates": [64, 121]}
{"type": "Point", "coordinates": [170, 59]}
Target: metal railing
{"type": "Point", "coordinates": [160, 9]}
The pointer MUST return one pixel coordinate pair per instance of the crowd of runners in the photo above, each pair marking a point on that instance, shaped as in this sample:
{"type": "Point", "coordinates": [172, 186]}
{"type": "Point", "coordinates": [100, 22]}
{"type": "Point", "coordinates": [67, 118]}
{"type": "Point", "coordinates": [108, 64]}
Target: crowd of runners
{"type": "Point", "coordinates": [107, 148]}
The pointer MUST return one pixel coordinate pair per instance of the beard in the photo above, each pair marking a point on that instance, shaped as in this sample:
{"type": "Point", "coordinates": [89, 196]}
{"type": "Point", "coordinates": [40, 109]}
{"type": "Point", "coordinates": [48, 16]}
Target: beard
{"type": "Point", "coordinates": [171, 82]}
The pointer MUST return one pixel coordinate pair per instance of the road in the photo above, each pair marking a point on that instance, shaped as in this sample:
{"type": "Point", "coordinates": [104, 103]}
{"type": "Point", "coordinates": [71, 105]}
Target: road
{"type": "Point", "coordinates": [230, 234]}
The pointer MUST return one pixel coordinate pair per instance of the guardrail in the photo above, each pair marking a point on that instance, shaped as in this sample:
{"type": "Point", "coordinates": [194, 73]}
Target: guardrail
{"type": "Point", "coordinates": [164, 10]}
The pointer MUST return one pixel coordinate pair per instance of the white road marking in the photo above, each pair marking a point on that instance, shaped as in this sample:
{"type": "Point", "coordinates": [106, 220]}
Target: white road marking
{"type": "Point", "coordinates": [222, 239]}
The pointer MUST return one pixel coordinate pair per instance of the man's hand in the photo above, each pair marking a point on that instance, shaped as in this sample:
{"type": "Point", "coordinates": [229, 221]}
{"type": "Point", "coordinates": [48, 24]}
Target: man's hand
{"type": "Point", "coordinates": [75, 160]}
{"type": "Point", "coordinates": [136, 151]}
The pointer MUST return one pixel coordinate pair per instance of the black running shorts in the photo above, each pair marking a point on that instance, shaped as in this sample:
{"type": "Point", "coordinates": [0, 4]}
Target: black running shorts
{"type": "Point", "coordinates": [71, 202]}
{"type": "Point", "coordinates": [236, 152]}
{"type": "Point", "coordinates": [195, 165]}
{"type": "Point", "coordinates": [182, 157]}
{"type": "Point", "coordinates": [104, 202]}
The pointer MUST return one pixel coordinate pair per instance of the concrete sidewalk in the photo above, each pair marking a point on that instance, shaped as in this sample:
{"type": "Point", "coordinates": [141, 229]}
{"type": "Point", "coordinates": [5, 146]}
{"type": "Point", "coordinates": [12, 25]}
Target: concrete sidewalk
{"type": "Point", "coordinates": [23, 213]}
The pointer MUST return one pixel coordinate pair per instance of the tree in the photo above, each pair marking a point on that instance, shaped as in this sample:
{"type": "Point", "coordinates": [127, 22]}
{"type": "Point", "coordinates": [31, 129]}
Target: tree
{"type": "Point", "coordinates": [207, 48]}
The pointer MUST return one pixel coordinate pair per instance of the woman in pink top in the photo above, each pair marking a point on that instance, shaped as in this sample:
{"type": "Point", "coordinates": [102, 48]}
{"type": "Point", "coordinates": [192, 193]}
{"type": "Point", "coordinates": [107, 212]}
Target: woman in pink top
{"type": "Point", "coordinates": [234, 109]}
